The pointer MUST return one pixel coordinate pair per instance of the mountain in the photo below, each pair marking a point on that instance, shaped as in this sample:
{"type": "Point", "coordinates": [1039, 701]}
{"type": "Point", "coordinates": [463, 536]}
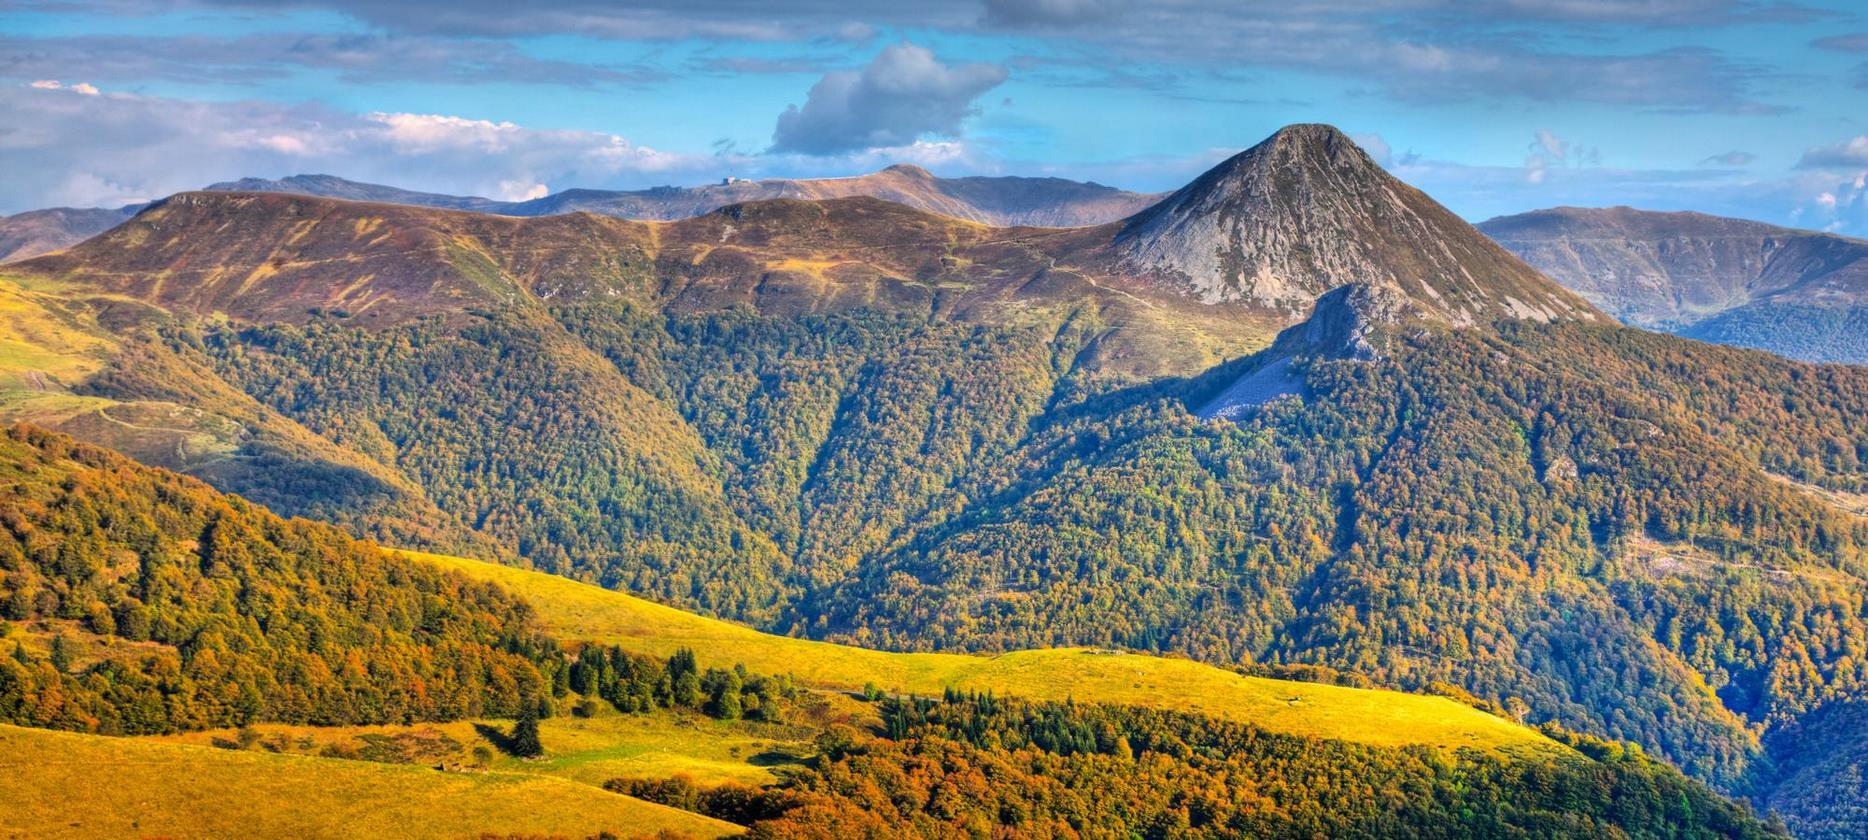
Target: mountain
{"type": "Point", "coordinates": [1043, 202]}
{"type": "Point", "coordinates": [331, 186]}
{"type": "Point", "coordinates": [1797, 293]}
{"type": "Point", "coordinates": [1307, 211]}
{"type": "Point", "coordinates": [858, 422]}
{"type": "Point", "coordinates": [35, 232]}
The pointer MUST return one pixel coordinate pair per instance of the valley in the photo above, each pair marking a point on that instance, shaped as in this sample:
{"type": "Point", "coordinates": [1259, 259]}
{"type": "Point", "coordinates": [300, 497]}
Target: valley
{"type": "Point", "coordinates": [1008, 495]}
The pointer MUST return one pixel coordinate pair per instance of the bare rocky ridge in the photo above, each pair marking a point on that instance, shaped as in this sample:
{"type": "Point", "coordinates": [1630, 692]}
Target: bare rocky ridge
{"type": "Point", "coordinates": [1795, 292]}
{"type": "Point", "coordinates": [1307, 211]}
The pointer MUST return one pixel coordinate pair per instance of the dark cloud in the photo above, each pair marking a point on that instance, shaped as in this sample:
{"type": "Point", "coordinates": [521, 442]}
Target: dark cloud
{"type": "Point", "coordinates": [1848, 154]}
{"type": "Point", "coordinates": [903, 95]}
{"type": "Point", "coordinates": [1019, 14]}
{"type": "Point", "coordinates": [756, 20]}
{"type": "Point", "coordinates": [354, 58]}
{"type": "Point", "coordinates": [1652, 13]}
{"type": "Point", "coordinates": [1413, 50]}
{"type": "Point", "coordinates": [1685, 79]}
{"type": "Point", "coordinates": [737, 65]}
{"type": "Point", "coordinates": [1855, 42]}
{"type": "Point", "coordinates": [1732, 158]}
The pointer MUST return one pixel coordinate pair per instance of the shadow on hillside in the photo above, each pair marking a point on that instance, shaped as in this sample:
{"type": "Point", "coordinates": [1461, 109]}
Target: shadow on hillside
{"type": "Point", "coordinates": [775, 758]}
{"type": "Point", "coordinates": [500, 740]}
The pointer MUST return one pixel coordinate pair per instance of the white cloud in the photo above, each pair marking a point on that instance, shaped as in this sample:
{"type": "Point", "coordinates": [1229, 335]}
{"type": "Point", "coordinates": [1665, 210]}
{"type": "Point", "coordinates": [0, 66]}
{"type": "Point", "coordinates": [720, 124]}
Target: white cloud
{"type": "Point", "coordinates": [1377, 147]}
{"type": "Point", "coordinates": [95, 150]}
{"type": "Point", "coordinates": [90, 189]}
{"type": "Point", "coordinates": [522, 190]}
{"type": "Point", "coordinates": [1552, 145]}
{"type": "Point", "coordinates": [85, 88]}
{"type": "Point", "coordinates": [1548, 151]}
{"type": "Point", "coordinates": [903, 95]}
{"type": "Point", "coordinates": [117, 148]}
{"type": "Point", "coordinates": [1535, 169]}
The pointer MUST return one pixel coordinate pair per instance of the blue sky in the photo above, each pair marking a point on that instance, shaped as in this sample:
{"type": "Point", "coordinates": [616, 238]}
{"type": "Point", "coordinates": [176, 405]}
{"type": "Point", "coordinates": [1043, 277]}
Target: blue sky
{"type": "Point", "coordinates": [1752, 109]}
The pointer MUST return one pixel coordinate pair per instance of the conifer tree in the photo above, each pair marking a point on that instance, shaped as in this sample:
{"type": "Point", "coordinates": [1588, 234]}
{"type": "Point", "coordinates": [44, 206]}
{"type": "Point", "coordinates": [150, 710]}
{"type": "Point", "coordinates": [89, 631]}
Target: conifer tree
{"type": "Point", "coordinates": [524, 741]}
{"type": "Point", "coordinates": [61, 654]}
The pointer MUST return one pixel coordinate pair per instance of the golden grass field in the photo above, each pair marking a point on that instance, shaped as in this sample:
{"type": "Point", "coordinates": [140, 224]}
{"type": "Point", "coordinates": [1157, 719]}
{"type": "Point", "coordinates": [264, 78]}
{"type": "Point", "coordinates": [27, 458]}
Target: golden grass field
{"type": "Point", "coordinates": [43, 346]}
{"type": "Point", "coordinates": [582, 612]}
{"type": "Point", "coordinates": [66, 785]}
{"type": "Point", "coordinates": [588, 750]}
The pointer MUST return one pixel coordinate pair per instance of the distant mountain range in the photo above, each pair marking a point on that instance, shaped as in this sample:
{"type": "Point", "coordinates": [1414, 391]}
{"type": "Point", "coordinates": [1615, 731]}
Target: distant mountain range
{"type": "Point", "coordinates": [1798, 293]}
{"type": "Point", "coordinates": [1000, 201]}
{"type": "Point", "coordinates": [1793, 292]}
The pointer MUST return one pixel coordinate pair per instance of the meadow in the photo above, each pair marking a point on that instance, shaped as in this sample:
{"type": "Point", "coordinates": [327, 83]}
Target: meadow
{"type": "Point", "coordinates": [582, 612]}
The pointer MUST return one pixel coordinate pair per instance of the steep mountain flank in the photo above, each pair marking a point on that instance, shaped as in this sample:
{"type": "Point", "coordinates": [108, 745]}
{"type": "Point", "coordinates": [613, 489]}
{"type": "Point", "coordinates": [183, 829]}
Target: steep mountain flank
{"type": "Point", "coordinates": [1798, 293]}
{"type": "Point", "coordinates": [284, 257]}
{"type": "Point", "coordinates": [1307, 211]}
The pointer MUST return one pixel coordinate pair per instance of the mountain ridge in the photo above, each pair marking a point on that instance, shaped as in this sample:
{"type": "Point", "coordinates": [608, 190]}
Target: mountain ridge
{"type": "Point", "coordinates": [998, 200]}
{"type": "Point", "coordinates": [1796, 292]}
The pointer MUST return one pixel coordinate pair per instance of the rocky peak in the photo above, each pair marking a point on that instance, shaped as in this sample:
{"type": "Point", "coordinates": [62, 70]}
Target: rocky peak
{"type": "Point", "coordinates": [1307, 211]}
{"type": "Point", "coordinates": [910, 170]}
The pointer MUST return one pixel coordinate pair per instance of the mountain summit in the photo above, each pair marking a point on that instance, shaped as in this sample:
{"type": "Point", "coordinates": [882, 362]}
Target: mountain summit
{"type": "Point", "coordinates": [1307, 211]}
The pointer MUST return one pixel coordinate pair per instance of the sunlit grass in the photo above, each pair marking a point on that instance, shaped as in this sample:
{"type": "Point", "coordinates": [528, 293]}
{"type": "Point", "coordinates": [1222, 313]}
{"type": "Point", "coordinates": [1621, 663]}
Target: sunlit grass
{"type": "Point", "coordinates": [578, 611]}
{"type": "Point", "coordinates": [66, 785]}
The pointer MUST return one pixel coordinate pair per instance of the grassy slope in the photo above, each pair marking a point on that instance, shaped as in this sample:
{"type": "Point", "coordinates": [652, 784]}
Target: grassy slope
{"type": "Point", "coordinates": [588, 750]}
{"type": "Point", "coordinates": [577, 611]}
{"type": "Point", "coordinates": [61, 784]}
{"type": "Point", "coordinates": [43, 346]}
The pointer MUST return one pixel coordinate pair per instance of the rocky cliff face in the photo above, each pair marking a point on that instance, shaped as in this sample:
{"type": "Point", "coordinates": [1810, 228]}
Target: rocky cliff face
{"type": "Point", "coordinates": [1308, 211]}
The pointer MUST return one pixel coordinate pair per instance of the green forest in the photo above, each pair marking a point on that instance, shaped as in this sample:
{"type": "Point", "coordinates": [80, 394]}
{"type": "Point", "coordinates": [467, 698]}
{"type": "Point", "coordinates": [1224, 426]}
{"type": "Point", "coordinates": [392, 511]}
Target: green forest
{"type": "Point", "coordinates": [1565, 520]}
{"type": "Point", "coordinates": [163, 606]}
{"type": "Point", "coordinates": [973, 765]}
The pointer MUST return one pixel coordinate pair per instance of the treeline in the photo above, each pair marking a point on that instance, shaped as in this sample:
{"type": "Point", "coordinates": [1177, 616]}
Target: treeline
{"type": "Point", "coordinates": [635, 683]}
{"type": "Point", "coordinates": [155, 605]}
{"type": "Point", "coordinates": [971, 766]}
